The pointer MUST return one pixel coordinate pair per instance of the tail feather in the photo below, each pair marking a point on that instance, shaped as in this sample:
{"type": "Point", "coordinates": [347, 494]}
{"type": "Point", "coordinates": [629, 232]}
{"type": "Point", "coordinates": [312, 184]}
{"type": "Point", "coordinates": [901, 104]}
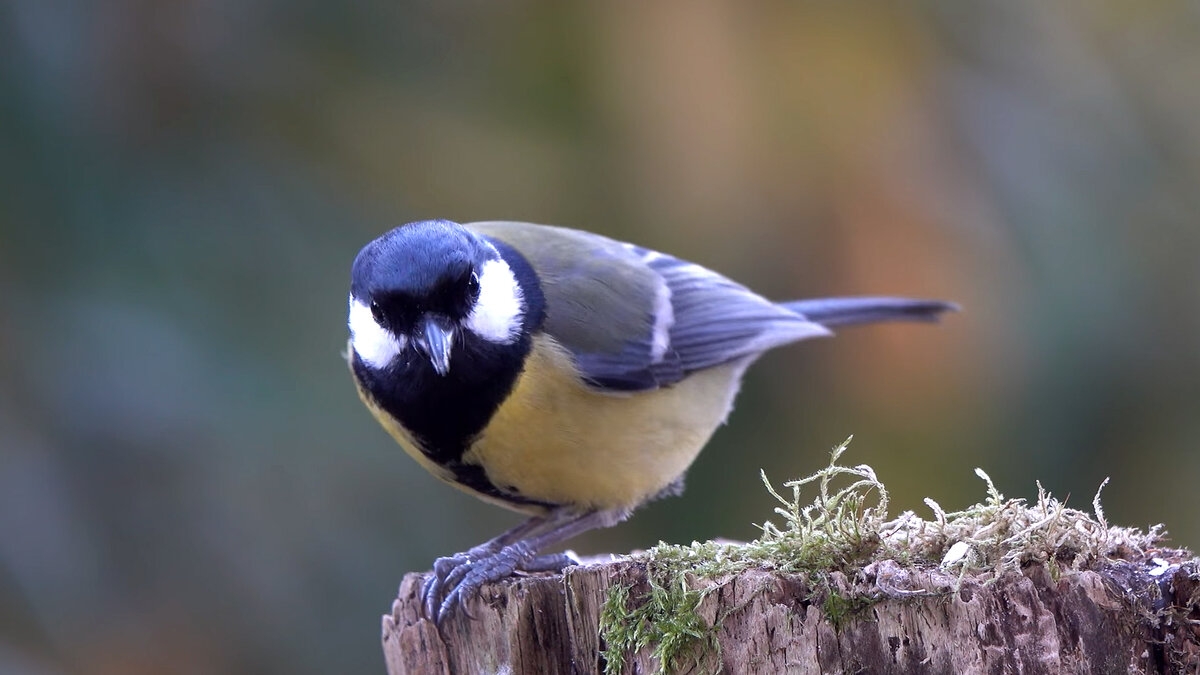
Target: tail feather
{"type": "Point", "coordinates": [868, 309]}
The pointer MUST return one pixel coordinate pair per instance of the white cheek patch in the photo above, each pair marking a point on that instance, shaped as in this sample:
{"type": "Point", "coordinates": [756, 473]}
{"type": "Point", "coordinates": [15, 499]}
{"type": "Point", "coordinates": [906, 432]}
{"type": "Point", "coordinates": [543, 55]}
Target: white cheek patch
{"type": "Point", "coordinates": [373, 343]}
{"type": "Point", "coordinates": [497, 314]}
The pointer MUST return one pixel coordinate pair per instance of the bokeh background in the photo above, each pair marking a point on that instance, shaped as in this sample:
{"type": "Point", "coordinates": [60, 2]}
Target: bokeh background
{"type": "Point", "coordinates": [188, 483]}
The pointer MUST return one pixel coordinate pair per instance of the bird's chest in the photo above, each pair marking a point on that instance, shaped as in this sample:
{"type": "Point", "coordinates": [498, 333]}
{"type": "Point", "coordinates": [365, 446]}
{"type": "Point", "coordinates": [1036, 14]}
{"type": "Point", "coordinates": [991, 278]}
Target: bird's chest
{"type": "Point", "coordinates": [556, 440]}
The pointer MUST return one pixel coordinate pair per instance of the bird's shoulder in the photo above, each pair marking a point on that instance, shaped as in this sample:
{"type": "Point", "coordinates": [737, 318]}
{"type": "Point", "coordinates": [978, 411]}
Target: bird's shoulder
{"type": "Point", "coordinates": [599, 292]}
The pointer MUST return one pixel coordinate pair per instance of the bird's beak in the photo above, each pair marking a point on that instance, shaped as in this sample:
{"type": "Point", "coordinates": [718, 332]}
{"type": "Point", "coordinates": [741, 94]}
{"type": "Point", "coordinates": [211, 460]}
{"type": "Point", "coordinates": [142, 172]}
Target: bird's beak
{"type": "Point", "coordinates": [435, 340]}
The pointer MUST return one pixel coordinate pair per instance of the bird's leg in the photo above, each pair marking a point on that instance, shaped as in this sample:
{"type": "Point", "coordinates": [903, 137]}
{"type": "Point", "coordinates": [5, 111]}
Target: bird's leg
{"type": "Point", "coordinates": [551, 562]}
{"type": "Point", "coordinates": [449, 570]}
{"type": "Point", "coordinates": [521, 554]}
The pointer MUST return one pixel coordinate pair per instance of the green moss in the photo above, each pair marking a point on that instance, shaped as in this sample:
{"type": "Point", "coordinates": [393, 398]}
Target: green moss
{"type": "Point", "coordinates": [839, 609]}
{"type": "Point", "coordinates": [666, 618]}
{"type": "Point", "coordinates": [838, 530]}
{"type": "Point", "coordinates": [845, 527]}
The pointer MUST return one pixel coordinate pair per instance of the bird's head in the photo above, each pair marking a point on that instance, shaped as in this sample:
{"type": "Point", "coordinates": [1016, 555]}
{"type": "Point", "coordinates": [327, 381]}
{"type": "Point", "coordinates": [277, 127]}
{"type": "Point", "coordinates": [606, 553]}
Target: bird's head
{"type": "Point", "coordinates": [424, 286]}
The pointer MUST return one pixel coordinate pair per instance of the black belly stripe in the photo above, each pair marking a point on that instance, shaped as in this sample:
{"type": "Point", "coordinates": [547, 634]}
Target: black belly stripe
{"type": "Point", "coordinates": [474, 477]}
{"type": "Point", "coordinates": [444, 415]}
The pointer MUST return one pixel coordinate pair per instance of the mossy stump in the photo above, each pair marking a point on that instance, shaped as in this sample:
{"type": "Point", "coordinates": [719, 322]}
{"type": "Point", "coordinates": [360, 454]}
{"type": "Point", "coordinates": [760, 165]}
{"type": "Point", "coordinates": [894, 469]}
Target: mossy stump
{"type": "Point", "coordinates": [1138, 615]}
{"type": "Point", "coordinates": [840, 586]}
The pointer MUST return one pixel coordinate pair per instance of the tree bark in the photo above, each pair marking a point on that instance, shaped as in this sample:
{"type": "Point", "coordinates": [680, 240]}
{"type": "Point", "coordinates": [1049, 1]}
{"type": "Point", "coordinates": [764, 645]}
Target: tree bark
{"type": "Point", "coordinates": [1126, 617]}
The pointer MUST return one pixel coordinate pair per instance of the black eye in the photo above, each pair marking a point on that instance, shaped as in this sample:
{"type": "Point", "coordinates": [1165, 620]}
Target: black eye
{"type": "Point", "coordinates": [377, 312]}
{"type": "Point", "coordinates": [473, 285]}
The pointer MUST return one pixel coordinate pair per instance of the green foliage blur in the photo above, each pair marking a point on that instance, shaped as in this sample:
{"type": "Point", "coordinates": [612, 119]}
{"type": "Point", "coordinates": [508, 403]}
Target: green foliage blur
{"type": "Point", "coordinates": [188, 483]}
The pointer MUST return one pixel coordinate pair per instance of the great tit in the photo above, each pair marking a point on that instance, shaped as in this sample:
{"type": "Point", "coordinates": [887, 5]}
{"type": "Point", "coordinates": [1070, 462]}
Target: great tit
{"type": "Point", "coordinates": [558, 373]}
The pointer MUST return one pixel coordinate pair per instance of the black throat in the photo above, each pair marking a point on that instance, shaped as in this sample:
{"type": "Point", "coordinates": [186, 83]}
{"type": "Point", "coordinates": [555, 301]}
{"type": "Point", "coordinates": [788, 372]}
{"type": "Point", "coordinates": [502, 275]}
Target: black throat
{"type": "Point", "coordinates": [445, 414]}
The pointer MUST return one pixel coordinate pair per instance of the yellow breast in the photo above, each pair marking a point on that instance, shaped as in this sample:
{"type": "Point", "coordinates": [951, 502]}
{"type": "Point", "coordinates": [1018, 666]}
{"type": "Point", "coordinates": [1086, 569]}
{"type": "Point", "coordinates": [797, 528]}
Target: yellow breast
{"type": "Point", "coordinates": [556, 440]}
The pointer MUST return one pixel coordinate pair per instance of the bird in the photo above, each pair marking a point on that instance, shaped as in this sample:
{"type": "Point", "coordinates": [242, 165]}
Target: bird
{"type": "Point", "coordinates": [558, 373]}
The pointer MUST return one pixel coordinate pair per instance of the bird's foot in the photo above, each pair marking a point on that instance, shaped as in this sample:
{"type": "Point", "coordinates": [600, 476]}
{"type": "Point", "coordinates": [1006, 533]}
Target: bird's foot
{"type": "Point", "coordinates": [551, 562]}
{"type": "Point", "coordinates": [455, 578]}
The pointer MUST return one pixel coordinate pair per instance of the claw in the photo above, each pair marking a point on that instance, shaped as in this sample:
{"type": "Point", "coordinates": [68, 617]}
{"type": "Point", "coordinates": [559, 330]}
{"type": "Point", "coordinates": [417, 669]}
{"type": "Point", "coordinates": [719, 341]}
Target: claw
{"type": "Point", "coordinates": [429, 595]}
{"type": "Point", "coordinates": [455, 600]}
{"type": "Point", "coordinates": [459, 576]}
{"type": "Point", "coordinates": [443, 568]}
{"type": "Point", "coordinates": [456, 575]}
{"type": "Point", "coordinates": [455, 578]}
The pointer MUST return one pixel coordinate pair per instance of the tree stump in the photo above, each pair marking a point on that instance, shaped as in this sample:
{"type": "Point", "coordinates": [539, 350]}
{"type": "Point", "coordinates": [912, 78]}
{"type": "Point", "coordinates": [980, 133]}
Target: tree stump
{"type": "Point", "coordinates": [1126, 616]}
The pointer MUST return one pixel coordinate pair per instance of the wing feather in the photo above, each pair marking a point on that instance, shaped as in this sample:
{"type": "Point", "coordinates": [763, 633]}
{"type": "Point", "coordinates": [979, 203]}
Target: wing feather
{"type": "Point", "coordinates": [636, 319]}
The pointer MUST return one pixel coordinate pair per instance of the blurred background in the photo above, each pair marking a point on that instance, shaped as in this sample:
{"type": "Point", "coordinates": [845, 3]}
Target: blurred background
{"type": "Point", "coordinates": [188, 482]}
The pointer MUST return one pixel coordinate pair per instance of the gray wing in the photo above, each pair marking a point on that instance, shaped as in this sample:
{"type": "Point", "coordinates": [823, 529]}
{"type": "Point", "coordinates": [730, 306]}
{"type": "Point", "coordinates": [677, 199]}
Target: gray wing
{"type": "Point", "coordinates": [712, 320]}
{"type": "Point", "coordinates": [635, 319]}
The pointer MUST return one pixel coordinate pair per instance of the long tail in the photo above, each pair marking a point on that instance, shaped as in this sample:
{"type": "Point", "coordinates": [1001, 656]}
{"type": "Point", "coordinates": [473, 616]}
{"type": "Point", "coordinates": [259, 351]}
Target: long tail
{"type": "Point", "coordinates": [846, 311]}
